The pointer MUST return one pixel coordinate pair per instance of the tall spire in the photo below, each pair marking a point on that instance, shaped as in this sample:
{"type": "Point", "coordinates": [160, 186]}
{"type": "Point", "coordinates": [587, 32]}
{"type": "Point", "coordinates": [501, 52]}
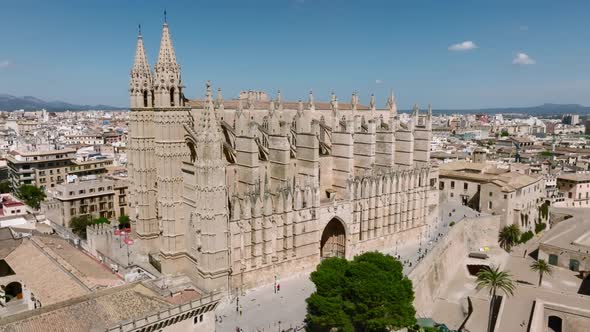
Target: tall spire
{"type": "Point", "coordinates": [209, 125]}
{"type": "Point", "coordinates": [209, 94]}
{"type": "Point", "coordinates": [141, 77]}
{"type": "Point", "coordinates": [279, 101]}
{"type": "Point", "coordinates": [391, 106]}
{"type": "Point", "coordinates": [334, 102]}
{"type": "Point", "coordinates": [141, 64]}
{"type": "Point", "coordinates": [168, 85]}
{"type": "Point", "coordinates": [311, 101]}
{"type": "Point", "coordinates": [166, 57]}
{"type": "Point", "coordinates": [354, 101]}
{"type": "Point", "coordinates": [219, 99]}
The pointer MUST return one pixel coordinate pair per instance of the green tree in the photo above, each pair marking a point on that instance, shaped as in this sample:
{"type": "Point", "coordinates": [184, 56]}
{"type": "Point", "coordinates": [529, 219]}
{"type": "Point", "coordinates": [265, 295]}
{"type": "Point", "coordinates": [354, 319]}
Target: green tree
{"type": "Point", "coordinates": [495, 280]}
{"type": "Point", "coordinates": [101, 220]}
{"type": "Point", "coordinates": [31, 195]}
{"type": "Point", "coordinates": [540, 227]}
{"type": "Point", "coordinates": [509, 237]}
{"type": "Point", "coordinates": [542, 267]}
{"type": "Point", "coordinates": [546, 154]}
{"type": "Point", "coordinates": [526, 236]}
{"type": "Point", "coordinates": [5, 187]}
{"type": "Point", "coordinates": [504, 133]}
{"type": "Point", "coordinates": [79, 224]}
{"type": "Point", "coordinates": [544, 210]}
{"type": "Point", "coordinates": [124, 221]}
{"type": "Point", "coordinates": [369, 293]}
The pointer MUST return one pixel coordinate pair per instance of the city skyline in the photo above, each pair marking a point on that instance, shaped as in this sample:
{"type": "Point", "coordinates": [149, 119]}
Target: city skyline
{"type": "Point", "coordinates": [444, 54]}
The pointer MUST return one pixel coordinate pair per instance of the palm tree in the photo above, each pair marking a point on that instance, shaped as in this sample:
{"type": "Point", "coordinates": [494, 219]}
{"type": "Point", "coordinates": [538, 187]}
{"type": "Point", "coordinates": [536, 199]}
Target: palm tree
{"type": "Point", "coordinates": [542, 267]}
{"type": "Point", "coordinates": [509, 236]}
{"type": "Point", "coordinates": [495, 280]}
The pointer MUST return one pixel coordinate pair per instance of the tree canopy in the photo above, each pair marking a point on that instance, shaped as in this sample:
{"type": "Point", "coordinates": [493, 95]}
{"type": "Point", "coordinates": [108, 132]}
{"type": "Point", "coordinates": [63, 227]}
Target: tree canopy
{"type": "Point", "coordinates": [31, 195]}
{"type": "Point", "coordinates": [542, 267]}
{"type": "Point", "coordinates": [509, 236]}
{"type": "Point", "coordinates": [78, 224]}
{"type": "Point", "coordinates": [5, 187]}
{"type": "Point", "coordinates": [369, 293]}
{"type": "Point", "coordinates": [124, 221]}
{"type": "Point", "coordinates": [494, 280]}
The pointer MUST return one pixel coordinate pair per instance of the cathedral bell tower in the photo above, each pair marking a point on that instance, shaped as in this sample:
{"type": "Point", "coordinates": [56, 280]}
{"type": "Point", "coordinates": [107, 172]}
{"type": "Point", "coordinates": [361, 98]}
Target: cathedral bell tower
{"type": "Point", "coordinates": [141, 86]}
{"type": "Point", "coordinates": [140, 153]}
{"type": "Point", "coordinates": [167, 84]}
{"type": "Point", "coordinates": [170, 115]}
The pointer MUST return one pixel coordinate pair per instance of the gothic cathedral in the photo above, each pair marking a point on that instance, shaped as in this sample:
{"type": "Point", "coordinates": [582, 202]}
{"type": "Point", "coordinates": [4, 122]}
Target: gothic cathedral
{"type": "Point", "coordinates": [233, 192]}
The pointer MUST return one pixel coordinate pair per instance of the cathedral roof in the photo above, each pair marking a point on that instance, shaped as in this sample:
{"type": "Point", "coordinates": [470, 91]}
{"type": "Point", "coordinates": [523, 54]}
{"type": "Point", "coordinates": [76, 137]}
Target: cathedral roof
{"type": "Point", "coordinates": [265, 104]}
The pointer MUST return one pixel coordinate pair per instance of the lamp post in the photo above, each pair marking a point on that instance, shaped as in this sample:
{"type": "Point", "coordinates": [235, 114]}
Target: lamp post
{"type": "Point", "coordinates": [122, 234]}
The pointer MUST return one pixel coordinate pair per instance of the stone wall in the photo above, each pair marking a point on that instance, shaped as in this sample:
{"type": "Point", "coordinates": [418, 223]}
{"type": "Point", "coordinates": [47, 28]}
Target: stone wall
{"type": "Point", "coordinates": [573, 318]}
{"type": "Point", "coordinates": [434, 273]}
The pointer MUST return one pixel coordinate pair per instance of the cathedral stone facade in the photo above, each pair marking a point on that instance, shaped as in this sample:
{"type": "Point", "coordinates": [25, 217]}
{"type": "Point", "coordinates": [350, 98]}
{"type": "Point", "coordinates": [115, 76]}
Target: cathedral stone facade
{"type": "Point", "coordinates": [236, 192]}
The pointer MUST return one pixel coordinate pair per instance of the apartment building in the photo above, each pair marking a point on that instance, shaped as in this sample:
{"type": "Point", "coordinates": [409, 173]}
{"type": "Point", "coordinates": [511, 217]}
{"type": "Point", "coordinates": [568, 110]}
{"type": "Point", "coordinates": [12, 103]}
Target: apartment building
{"type": "Point", "coordinates": [575, 188]}
{"type": "Point", "coordinates": [89, 167]}
{"type": "Point", "coordinates": [84, 196]}
{"type": "Point", "coordinates": [84, 139]}
{"type": "Point", "coordinates": [121, 187]}
{"type": "Point", "coordinates": [497, 191]}
{"type": "Point", "coordinates": [40, 168]}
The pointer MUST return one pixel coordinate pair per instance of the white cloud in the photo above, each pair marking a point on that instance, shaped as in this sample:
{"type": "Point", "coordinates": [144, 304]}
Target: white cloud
{"type": "Point", "coordinates": [464, 46]}
{"type": "Point", "coordinates": [5, 64]}
{"type": "Point", "coordinates": [523, 59]}
{"type": "Point", "coordinates": [378, 81]}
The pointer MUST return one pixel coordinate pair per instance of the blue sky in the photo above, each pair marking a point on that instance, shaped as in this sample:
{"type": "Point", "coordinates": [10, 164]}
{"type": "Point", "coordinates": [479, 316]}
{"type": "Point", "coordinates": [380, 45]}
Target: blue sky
{"type": "Point", "coordinates": [82, 51]}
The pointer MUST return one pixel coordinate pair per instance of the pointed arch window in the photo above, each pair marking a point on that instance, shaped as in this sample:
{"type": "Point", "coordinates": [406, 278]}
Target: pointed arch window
{"type": "Point", "coordinates": [145, 98]}
{"type": "Point", "coordinates": [172, 96]}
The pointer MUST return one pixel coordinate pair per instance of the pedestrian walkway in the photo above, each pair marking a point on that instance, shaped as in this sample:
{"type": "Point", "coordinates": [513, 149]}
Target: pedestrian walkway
{"type": "Point", "coordinates": [263, 309]}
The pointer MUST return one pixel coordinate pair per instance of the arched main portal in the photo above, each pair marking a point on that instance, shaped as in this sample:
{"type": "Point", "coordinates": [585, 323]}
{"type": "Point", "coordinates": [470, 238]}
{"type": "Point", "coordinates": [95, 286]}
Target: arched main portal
{"type": "Point", "coordinates": [333, 243]}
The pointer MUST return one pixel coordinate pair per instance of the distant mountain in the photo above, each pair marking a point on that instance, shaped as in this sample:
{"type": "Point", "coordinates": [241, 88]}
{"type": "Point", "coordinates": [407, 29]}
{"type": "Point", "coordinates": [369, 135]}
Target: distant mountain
{"type": "Point", "coordinates": [29, 103]}
{"type": "Point", "coordinates": [546, 110]}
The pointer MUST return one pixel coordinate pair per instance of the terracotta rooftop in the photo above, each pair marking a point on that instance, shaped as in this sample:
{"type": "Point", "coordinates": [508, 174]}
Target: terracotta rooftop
{"type": "Point", "coordinates": [576, 177]}
{"type": "Point", "coordinates": [53, 285]}
{"type": "Point", "coordinates": [93, 312]}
